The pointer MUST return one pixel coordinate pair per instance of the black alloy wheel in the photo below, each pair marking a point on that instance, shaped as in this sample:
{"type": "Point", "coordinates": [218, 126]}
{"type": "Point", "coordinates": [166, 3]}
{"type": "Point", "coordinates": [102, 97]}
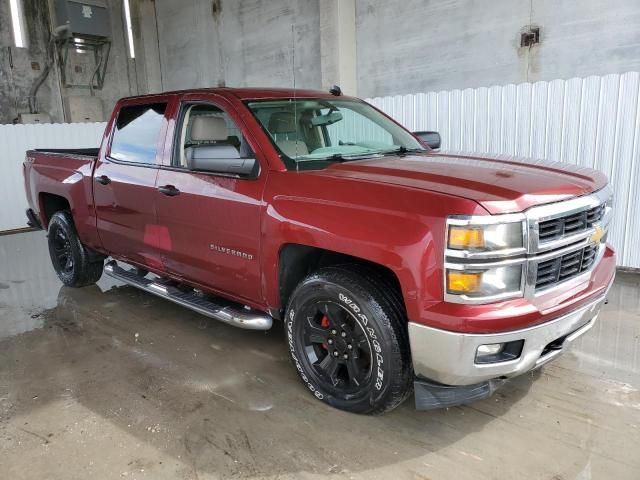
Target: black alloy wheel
{"type": "Point", "coordinates": [346, 330]}
{"type": "Point", "coordinates": [62, 256]}
{"type": "Point", "coordinates": [75, 264]}
{"type": "Point", "coordinates": [336, 346]}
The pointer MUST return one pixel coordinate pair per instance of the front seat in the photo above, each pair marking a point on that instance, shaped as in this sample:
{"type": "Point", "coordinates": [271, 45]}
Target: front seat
{"type": "Point", "coordinates": [209, 129]}
{"type": "Point", "coordinates": [282, 126]}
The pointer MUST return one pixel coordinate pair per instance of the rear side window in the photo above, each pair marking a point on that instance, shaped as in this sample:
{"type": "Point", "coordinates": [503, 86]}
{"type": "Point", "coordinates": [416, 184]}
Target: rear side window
{"type": "Point", "coordinates": [136, 133]}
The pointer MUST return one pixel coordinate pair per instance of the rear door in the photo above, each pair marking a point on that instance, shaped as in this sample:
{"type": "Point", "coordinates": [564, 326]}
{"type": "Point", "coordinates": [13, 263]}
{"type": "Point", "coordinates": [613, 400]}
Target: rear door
{"type": "Point", "coordinates": [125, 178]}
{"type": "Point", "coordinates": [212, 221]}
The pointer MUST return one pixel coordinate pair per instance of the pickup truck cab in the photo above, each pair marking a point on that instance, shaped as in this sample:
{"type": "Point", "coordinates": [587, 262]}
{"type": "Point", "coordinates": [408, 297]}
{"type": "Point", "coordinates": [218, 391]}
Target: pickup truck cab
{"type": "Point", "coordinates": [392, 266]}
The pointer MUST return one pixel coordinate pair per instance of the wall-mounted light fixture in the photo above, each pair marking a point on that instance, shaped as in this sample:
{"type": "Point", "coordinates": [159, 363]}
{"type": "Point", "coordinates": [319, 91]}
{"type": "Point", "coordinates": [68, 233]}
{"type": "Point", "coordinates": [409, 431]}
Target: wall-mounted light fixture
{"type": "Point", "coordinates": [127, 18]}
{"type": "Point", "coordinates": [17, 22]}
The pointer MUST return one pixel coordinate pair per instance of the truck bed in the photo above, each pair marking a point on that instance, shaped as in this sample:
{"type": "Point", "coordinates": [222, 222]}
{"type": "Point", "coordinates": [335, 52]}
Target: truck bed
{"type": "Point", "coordinates": [83, 152]}
{"type": "Point", "coordinates": [64, 174]}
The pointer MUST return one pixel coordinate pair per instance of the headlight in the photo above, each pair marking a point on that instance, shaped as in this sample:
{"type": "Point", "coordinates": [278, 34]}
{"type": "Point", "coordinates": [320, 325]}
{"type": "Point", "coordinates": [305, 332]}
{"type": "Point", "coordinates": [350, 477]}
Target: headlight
{"type": "Point", "coordinates": [500, 236]}
{"type": "Point", "coordinates": [491, 283]}
{"type": "Point", "coordinates": [484, 258]}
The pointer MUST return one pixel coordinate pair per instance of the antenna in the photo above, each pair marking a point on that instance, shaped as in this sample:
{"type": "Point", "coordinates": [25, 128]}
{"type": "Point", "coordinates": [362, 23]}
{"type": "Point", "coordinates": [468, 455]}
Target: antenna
{"type": "Point", "coordinates": [293, 74]}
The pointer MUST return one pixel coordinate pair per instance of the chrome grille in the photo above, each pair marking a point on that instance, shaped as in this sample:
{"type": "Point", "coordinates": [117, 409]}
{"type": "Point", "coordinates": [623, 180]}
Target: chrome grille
{"type": "Point", "coordinates": [569, 224]}
{"type": "Point", "coordinates": [556, 270]}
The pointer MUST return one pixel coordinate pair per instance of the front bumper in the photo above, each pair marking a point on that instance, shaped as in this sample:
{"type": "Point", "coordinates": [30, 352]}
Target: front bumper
{"type": "Point", "coordinates": [445, 366]}
{"type": "Point", "coordinates": [449, 357]}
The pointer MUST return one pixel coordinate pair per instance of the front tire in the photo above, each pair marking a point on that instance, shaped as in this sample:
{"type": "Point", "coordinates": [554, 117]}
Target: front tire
{"type": "Point", "coordinates": [71, 260]}
{"type": "Point", "coordinates": [347, 337]}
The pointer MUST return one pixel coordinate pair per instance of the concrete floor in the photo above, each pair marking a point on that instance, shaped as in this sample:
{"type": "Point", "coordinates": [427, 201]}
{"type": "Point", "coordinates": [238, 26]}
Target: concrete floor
{"type": "Point", "coordinates": [110, 382]}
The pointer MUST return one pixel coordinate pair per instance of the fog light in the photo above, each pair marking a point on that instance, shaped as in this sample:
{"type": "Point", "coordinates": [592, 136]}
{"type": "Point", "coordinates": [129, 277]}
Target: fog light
{"type": "Point", "coordinates": [499, 352]}
{"type": "Point", "coordinates": [490, 349]}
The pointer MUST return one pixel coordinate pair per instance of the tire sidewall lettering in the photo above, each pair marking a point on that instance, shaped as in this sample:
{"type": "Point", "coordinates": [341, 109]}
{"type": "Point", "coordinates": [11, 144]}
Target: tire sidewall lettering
{"type": "Point", "coordinates": [292, 349]}
{"type": "Point", "coordinates": [373, 337]}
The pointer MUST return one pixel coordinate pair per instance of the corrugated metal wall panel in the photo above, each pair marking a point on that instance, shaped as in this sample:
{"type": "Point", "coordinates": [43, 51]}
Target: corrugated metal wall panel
{"type": "Point", "coordinates": [593, 122]}
{"type": "Point", "coordinates": [15, 140]}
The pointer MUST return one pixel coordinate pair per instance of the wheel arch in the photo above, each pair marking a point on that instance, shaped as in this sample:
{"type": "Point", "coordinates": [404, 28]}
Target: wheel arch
{"type": "Point", "coordinates": [50, 204]}
{"type": "Point", "coordinates": [297, 261]}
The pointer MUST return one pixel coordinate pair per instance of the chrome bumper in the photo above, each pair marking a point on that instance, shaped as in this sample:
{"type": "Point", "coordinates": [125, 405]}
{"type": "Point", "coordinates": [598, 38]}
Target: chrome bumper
{"type": "Point", "coordinates": [449, 357]}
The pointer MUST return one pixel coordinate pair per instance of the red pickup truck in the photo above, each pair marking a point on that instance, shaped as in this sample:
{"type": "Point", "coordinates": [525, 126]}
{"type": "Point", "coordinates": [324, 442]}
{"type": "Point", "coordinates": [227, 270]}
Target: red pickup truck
{"type": "Point", "coordinates": [393, 267]}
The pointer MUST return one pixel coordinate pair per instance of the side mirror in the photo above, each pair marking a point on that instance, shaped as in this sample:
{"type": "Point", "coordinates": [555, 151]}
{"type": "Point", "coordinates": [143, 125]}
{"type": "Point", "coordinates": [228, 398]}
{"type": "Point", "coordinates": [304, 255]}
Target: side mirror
{"type": "Point", "coordinates": [220, 158]}
{"type": "Point", "coordinates": [431, 139]}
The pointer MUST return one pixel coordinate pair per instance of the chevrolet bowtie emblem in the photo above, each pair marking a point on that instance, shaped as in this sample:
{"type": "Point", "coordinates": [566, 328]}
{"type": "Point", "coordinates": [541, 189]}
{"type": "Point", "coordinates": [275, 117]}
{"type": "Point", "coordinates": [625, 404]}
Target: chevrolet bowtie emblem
{"type": "Point", "coordinates": [598, 233]}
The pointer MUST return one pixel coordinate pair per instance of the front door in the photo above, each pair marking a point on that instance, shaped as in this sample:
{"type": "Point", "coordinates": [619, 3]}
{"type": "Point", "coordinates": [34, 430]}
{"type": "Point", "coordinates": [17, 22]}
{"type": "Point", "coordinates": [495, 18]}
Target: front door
{"type": "Point", "coordinates": [125, 184]}
{"type": "Point", "coordinates": [211, 221]}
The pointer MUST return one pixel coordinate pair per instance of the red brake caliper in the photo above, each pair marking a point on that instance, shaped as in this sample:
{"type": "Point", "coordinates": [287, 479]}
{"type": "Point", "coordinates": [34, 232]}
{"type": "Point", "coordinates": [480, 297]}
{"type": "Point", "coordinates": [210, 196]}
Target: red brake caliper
{"type": "Point", "coordinates": [324, 323]}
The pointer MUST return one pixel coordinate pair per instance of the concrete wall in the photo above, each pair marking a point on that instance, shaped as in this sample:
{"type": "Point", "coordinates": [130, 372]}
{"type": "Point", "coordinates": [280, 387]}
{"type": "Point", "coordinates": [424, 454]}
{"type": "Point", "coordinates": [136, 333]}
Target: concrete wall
{"type": "Point", "coordinates": [338, 45]}
{"type": "Point", "coordinates": [427, 45]}
{"type": "Point", "coordinates": [19, 66]}
{"type": "Point", "coordinates": [589, 37]}
{"type": "Point", "coordinates": [400, 46]}
{"type": "Point", "coordinates": [17, 72]}
{"type": "Point", "coordinates": [206, 43]}
{"type": "Point", "coordinates": [147, 49]}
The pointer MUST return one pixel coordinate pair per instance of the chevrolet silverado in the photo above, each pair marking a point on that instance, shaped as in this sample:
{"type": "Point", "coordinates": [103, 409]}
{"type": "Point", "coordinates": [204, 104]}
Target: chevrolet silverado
{"type": "Point", "coordinates": [395, 268]}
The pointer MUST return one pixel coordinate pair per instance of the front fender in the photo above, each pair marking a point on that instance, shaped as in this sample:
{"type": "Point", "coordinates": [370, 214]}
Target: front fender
{"type": "Point", "coordinates": [397, 227]}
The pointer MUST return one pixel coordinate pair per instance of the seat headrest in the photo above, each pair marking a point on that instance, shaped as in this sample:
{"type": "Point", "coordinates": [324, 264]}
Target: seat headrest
{"type": "Point", "coordinates": [282, 122]}
{"type": "Point", "coordinates": [209, 129]}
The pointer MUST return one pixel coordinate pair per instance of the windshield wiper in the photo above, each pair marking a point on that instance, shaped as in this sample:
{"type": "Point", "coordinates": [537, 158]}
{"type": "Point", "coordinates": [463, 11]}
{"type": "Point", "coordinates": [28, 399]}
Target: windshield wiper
{"type": "Point", "coordinates": [339, 157]}
{"type": "Point", "coordinates": [402, 150]}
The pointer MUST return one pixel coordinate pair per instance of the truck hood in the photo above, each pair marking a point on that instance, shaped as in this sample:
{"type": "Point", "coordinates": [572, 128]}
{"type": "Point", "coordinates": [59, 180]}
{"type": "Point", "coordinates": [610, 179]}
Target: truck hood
{"type": "Point", "coordinates": [501, 184]}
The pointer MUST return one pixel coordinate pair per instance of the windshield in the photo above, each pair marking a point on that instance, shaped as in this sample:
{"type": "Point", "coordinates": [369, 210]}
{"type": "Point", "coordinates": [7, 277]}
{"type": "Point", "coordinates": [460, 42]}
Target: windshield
{"type": "Point", "coordinates": [310, 133]}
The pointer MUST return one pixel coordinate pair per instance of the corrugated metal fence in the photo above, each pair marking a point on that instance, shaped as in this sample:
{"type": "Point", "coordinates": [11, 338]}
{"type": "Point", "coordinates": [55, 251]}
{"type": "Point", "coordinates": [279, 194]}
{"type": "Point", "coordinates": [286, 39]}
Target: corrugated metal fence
{"type": "Point", "coordinates": [15, 140]}
{"type": "Point", "coordinates": [593, 122]}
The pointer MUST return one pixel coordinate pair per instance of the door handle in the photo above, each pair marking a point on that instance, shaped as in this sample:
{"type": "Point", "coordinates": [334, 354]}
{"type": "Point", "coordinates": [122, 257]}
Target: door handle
{"type": "Point", "coordinates": [169, 190]}
{"type": "Point", "coordinates": [103, 179]}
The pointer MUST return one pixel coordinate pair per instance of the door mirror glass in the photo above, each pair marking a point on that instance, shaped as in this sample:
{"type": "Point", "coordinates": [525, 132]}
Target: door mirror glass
{"type": "Point", "coordinates": [431, 139]}
{"type": "Point", "coordinates": [219, 158]}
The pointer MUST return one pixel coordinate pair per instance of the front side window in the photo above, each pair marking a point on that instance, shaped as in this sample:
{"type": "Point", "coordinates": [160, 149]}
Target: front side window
{"type": "Point", "coordinates": [206, 125]}
{"type": "Point", "coordinates": [137, 133]}
{"type": "Point", "coordinates": [310, 133]}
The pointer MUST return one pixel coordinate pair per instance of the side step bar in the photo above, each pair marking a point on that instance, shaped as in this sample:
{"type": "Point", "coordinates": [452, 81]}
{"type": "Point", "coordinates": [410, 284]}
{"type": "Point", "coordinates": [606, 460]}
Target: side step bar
{"type": "Point", "coordinates": [235, 316]}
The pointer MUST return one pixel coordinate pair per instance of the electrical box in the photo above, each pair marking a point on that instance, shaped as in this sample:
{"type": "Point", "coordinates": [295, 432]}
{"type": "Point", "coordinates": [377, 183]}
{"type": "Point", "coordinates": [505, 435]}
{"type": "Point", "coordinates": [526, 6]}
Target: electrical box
{"type": "Point", "coordinates": [85, 18]}
{"type": "Point", "coordinates": [84, 108]}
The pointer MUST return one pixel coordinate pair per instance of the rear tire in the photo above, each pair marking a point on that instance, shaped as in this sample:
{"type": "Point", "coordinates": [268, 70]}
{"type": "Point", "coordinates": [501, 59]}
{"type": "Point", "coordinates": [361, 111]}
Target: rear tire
{"type": "Point", "coordinates": [71, 260]}
{"type": "Point", "coordinates": [347, 337]}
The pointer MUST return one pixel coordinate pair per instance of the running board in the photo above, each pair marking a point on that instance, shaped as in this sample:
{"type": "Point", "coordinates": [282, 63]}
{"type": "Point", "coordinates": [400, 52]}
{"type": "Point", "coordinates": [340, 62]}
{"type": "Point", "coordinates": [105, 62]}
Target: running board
{"type": "Point", "coordinates": [235, 316]}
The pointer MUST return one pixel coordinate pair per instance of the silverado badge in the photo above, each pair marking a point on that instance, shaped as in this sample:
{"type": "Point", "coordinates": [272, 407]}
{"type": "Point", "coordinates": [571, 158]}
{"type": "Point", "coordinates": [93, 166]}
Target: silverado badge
{"type": "Point", "coordinates": [231, 251]}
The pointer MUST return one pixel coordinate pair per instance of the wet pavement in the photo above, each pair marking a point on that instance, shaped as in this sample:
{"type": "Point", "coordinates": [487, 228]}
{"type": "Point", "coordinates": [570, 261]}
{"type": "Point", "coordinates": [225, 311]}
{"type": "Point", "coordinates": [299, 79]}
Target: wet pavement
{"type": "Point", "coordinates": [111, 382]}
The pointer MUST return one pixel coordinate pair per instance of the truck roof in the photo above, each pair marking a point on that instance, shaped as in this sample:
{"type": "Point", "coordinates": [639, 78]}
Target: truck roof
{"type": "Point", "coordinates": [246, 93]}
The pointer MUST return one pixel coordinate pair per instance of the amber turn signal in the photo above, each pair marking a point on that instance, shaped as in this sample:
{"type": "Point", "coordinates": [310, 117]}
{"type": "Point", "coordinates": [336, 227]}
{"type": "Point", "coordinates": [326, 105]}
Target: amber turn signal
{"type": "Point", "coordinates": [463, 282]}
{"type": "Point", "coordinates": [465, 238]}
